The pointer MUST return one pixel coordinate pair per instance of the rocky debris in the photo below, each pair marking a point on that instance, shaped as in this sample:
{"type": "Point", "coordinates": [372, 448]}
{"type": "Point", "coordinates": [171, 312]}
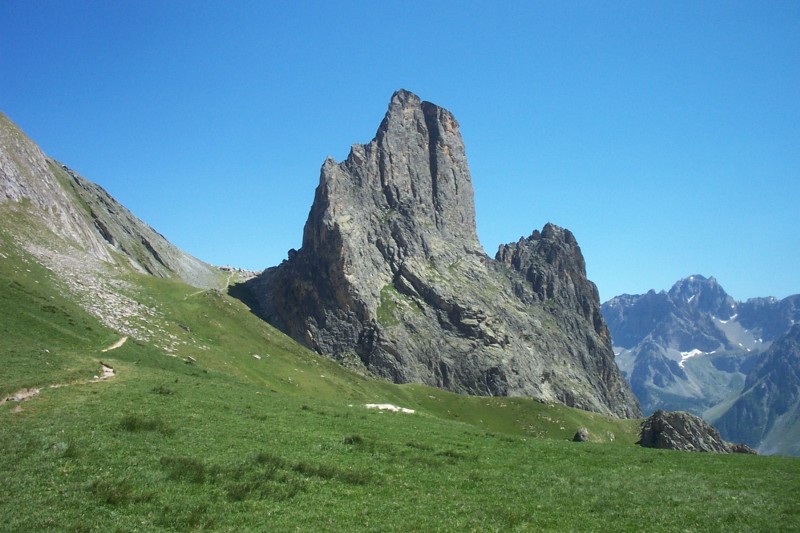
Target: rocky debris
{"type": "Point", "coordinates": [391, 277]}
{"type": "Point", "coordinates": [677, 430]}
{"type": "Point", "coordinates": [100, 293]}
{"type": "Point", "coordinates": [21, 395]}
{"type": "Point", "coordinates": [116, 302]}
{"type": "Point", "coordinates": [108, 373]}
{"type": "Point", "coordinates": [737, 447]}
{"type": "Point", "coordinates": [582, 435]}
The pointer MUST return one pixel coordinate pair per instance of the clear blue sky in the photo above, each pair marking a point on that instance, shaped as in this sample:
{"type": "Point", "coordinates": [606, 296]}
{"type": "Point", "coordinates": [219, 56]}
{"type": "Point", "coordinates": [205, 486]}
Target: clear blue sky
{"type": "Point", "coordinates": [665, 135]}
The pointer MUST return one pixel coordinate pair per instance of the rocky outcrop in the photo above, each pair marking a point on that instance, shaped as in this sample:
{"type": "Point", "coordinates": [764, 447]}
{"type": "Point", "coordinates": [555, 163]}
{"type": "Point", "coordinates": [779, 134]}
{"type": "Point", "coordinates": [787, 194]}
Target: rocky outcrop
{"type": "Point", "coordinates": [582, 435]}
{"type": "Point", "coordinates": [553, 265]}
{"type": "Point", "coordinates": [391, 277]}
{"type": "Point", "coordinates": [685, 432]}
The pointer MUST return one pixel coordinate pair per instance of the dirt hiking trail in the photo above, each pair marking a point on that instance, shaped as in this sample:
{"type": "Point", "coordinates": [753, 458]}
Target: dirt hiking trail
{"type": "Point", "coordinates": [26, 394]}
{"type": "Point", "coordinates": [122, 340]}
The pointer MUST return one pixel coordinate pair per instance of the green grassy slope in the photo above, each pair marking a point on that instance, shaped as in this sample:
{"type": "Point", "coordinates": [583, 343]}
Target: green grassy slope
{"type": "Point", "coordinates": [231, 442]}
{"type": "Point", "coordinates": [44, 335]}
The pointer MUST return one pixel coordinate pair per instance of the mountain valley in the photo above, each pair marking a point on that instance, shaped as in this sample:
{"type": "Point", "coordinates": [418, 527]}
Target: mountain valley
{"type": "Point", "coordinates": [137, 394]}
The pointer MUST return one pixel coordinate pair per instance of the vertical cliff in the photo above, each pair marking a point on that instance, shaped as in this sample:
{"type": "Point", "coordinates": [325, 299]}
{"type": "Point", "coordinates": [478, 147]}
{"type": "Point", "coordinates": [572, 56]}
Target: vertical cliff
{"type": "Point", "coordinates": [391, 276]}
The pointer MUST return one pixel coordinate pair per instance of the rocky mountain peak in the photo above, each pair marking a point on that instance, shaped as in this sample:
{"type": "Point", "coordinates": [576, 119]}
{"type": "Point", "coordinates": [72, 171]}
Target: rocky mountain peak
{"type": "Point", "coordinates": [553, 264]}
{"type": "Point", "coordinates": [413, 176]}
{"type": "Point", "coordinates": [705, 295]}
{"type": "Point", "coordinates": [391, 277]}
{"type": "Point", "coordinates": [696, 349]}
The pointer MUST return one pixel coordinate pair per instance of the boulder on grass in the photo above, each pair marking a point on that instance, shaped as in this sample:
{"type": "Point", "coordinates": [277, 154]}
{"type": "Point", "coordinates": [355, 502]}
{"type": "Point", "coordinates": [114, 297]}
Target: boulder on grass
{"type": "Point", "coordinates": [677, 430]}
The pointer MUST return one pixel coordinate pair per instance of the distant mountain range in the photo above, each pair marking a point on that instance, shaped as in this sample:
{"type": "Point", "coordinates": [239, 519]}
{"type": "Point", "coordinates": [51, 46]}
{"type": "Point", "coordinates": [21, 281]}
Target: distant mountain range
{"type": "Point", "coordinates": [695, 348]}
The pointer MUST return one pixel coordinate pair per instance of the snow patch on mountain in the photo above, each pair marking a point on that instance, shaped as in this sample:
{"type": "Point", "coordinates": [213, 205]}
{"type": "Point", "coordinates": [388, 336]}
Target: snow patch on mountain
{"type": "Point", "coordinates": [685, 356]}
{"type": "Point", "coordinates": [726, 321]}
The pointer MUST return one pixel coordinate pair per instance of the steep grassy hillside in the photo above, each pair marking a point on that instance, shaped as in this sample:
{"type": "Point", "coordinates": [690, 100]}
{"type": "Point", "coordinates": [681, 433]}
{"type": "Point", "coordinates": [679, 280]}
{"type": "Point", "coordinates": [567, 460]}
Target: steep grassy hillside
{"type": "Point", "coordinates": [195, 432]}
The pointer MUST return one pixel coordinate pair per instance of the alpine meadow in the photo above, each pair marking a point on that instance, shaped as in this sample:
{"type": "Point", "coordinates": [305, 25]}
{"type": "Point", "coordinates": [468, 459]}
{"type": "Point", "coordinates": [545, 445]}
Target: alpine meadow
{"type": "Point", "coordinates": [415, 383]}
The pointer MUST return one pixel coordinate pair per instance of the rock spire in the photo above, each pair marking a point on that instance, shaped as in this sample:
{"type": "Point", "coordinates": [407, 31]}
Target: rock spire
{"type": "Point", "coordinates": [391, 277]}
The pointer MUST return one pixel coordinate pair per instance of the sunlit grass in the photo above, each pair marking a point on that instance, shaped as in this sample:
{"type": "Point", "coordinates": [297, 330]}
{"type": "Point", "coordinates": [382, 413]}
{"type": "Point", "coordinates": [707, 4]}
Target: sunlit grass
{"type": "Point", "coordinates": [230, 442]}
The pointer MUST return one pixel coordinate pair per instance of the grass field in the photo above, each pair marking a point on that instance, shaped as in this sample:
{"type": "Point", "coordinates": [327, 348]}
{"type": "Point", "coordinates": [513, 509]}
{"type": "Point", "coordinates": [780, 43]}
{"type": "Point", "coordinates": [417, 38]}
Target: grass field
{"type": "Point", "coordinates": [205, 436]}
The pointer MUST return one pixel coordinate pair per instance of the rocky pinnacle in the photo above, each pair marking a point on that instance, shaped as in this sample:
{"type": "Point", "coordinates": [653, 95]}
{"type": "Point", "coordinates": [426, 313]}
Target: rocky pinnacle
{"type": "Point", "coordinates": [391, 277]}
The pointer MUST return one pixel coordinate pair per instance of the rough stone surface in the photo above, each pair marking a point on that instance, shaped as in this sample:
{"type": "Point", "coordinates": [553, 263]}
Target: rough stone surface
{"type": "Point", "coordinates": [696, 349]}
{"type": "Point", "coordinates": [682, 317]}
{"type": "Point", "coordinates": [677, 430]}
{"type": "Point", "coordinates": [737, 447]}
{"type": "Point", "coordinates": [87, 219]}
{"type": "Point", "coordinates": [145, 249]}
{"type": "Point", "coordinates": [391, 277]}
{"type": "Point", "coordinates": [582, 435]}
{"type": "Point", "coordinates": [27, 175]}
{"type": "Point", "coordinates": [91, 243]}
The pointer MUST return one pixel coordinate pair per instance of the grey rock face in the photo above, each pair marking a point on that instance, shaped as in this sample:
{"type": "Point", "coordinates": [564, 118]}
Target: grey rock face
{"type": "Point", "coordinates": [685, 432]}
{"type": "Point", "coordinates": [86, 218]}
{"type": "Point", "coordinates": [27, 175]}
{"type": "Point", "coordinates": [552, 263]}
{"type": "Point", "coordinates": [680, 318]}
{"type": "Point", "coordinates": [391, 277]}
{"type": "Point", "coordinates": [582, 435]}
{"type": "Point", "coordinates": [145, 250]}
{"type": "Point", "coordinates": [770, 317]}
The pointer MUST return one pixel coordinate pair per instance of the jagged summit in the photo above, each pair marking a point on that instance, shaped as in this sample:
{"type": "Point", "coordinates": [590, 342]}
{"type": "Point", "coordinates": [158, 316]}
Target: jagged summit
{"type": "Point", "coordinates": [391, 277]}
{"type": "Point", "coordinates": [413, 172]}
{"type": "Point", "coordinates": [705, 294]}
{"type": "Point", "coordinates": [550, 258]}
